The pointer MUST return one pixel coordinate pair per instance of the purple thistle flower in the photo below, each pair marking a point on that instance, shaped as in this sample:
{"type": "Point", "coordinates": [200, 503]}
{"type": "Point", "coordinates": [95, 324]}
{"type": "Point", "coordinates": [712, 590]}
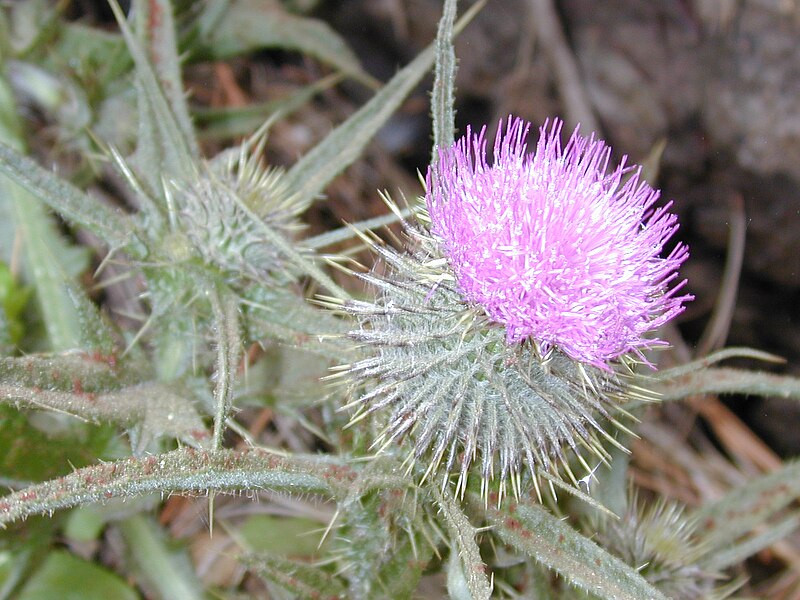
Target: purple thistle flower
{"type": "Point", "coordinates": [553, 246]}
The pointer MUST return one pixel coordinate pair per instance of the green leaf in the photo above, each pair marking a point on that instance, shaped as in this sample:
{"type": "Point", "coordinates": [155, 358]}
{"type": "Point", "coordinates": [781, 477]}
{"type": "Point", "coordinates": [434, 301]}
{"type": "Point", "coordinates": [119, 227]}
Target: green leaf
{"type": "Point", "coordinates": [228, 122]}
{"type": "Point", "coordinates": [532, 530]}
{"type": "Point", "coordinates": [186, 471]}
{"type": "Point", "coordinates": [238, 27]}
{"type": "Point", "coordinates": [98, 58]}
{"type": "Point", "coordinates": [67, 577]}
{"type": "Point", "coordinates": [309, 176]}
{"type": "Point", "coordinates": [71, 203]}
{"type": "Point", "coordinates": [748, 507]}
{"type": "Point", "coordinates": [13, 298]}
{"type": "Point", "coordinates": [46, 450]}
{"type": "Point", "coordinates": [165, 572]}
{"type": "Point", "coordinates": [725, 380]}
{"type": "Point", "coordinates": [7, 343]}
{"type": "Point", "coordinates": [156, 29]}
{"type": "Point", "coordinates": [442, 97]}
{"type": "Point", "coordinates": [302, 580]}
{"type": "Point", "coordinates": [466, 573]}
{"type": "Point", "coordinates": [281, 536]}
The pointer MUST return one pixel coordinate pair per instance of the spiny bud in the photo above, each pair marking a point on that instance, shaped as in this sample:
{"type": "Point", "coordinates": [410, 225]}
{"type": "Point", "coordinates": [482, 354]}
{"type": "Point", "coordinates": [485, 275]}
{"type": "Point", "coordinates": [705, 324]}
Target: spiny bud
{"type": "Point", "coordinates": [233, 208]}
{"type": "Point", "coordinates": [661, 542]}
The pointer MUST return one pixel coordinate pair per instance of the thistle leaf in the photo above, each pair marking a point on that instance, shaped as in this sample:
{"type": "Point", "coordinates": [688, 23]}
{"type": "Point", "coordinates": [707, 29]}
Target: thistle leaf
{"type": "Point", "coordinates": [185, 471]}
{"type": "Point", "coordinates": [534, 531]}
{"type": "Point", "coordinates": [345, 144]}
{"type": "Point", "coordinates": [164, 151]}
{"type": "Point", "coordinates": [462, 545]}
{"type": "Point", "coordinates": [229, 348]}
{"type": "Point", "coordinates": [400, 574]}
{"type": "Point", "coordinates": [71, 320]}
{"type": "Point", "coordinates": [735, 554]}
{"type": "Point", "coordinates": [740, 512]}
{"type": "Point", "coordinates": [352, 229]}
{"type": "Point", "coordinates": [714, 358]}
{"type": "Point", "coordinates": [68, 201]}
{"type": "Point", "coordinates": [302, 580]}
{"type": "Point", "coordinates": [47, 256]}
{"type": "Point", "coordinates": [442, 96]}
{"type": "Point", "coordinates": [156, 28]}
{"type": "Point", "coordinates": [92, 388]}
{"type": "Point", "coordinates": [725, 380]}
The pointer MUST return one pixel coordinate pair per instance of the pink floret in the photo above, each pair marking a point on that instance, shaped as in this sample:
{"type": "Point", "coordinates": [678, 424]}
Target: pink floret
{"type": "Point", "coordinates": [553, 246]}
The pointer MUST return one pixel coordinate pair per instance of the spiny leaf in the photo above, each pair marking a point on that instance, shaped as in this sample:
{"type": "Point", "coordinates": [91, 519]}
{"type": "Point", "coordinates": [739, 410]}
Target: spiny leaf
{"type": "Point", "coordinates": [163, 151]}
{"type": "Point", "coordinates": [70, 318]}
{"type": "Point", "coordinates": [442, 96]}
{"type": "Point", "coordinates": [47, 257]}
{"type": "Point", "coordinates": [735, 554]}
{"type": "Point", "coordinates": [350, 231]}
{"type": "Point", "coordinates": [302, 580]}
{"type": "Point", "coordinates": [400, 574]}
{"type": "Point", "coordinates": [67, 200]}
{"type": "Point", "coordinates": [156, 28]}
{"type": "Point", "coordinates": [746, 507]}
{"type": "Point", "coordinates": [464, 546]}
{"type": "Point", "coordinates": [725, 380]}
{"type": "Point", "coordinates": [229, 347]}
{"type": "Point", "coordinates": [96, 372]}
{"type": "Point", "coordinates": [152, 408]}
{"type": "Point", "coordinates": [281, 315]}
{"type": "Point", "coordinates": [185, 471]}
{"type": "Point", "coordinates": [345, 144]}
{"type": "Point", "coordinates": [715, 357]}
{"type": "Point", "coordinates": [534, 531]}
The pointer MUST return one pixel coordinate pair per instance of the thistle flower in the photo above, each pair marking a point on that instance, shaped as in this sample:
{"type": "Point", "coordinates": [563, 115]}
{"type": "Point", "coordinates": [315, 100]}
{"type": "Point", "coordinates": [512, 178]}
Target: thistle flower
{"type": "Point", "coordinates": [506, 333]}
{"type": "Point", "coordinates": [554, 247]}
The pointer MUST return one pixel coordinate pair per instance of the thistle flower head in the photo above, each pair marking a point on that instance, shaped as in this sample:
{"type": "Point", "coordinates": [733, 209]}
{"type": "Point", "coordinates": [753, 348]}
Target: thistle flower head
{"type": "Point", "coordinates": [503, 337]}
{"type": "Point", "coordinates": [552, 245]}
